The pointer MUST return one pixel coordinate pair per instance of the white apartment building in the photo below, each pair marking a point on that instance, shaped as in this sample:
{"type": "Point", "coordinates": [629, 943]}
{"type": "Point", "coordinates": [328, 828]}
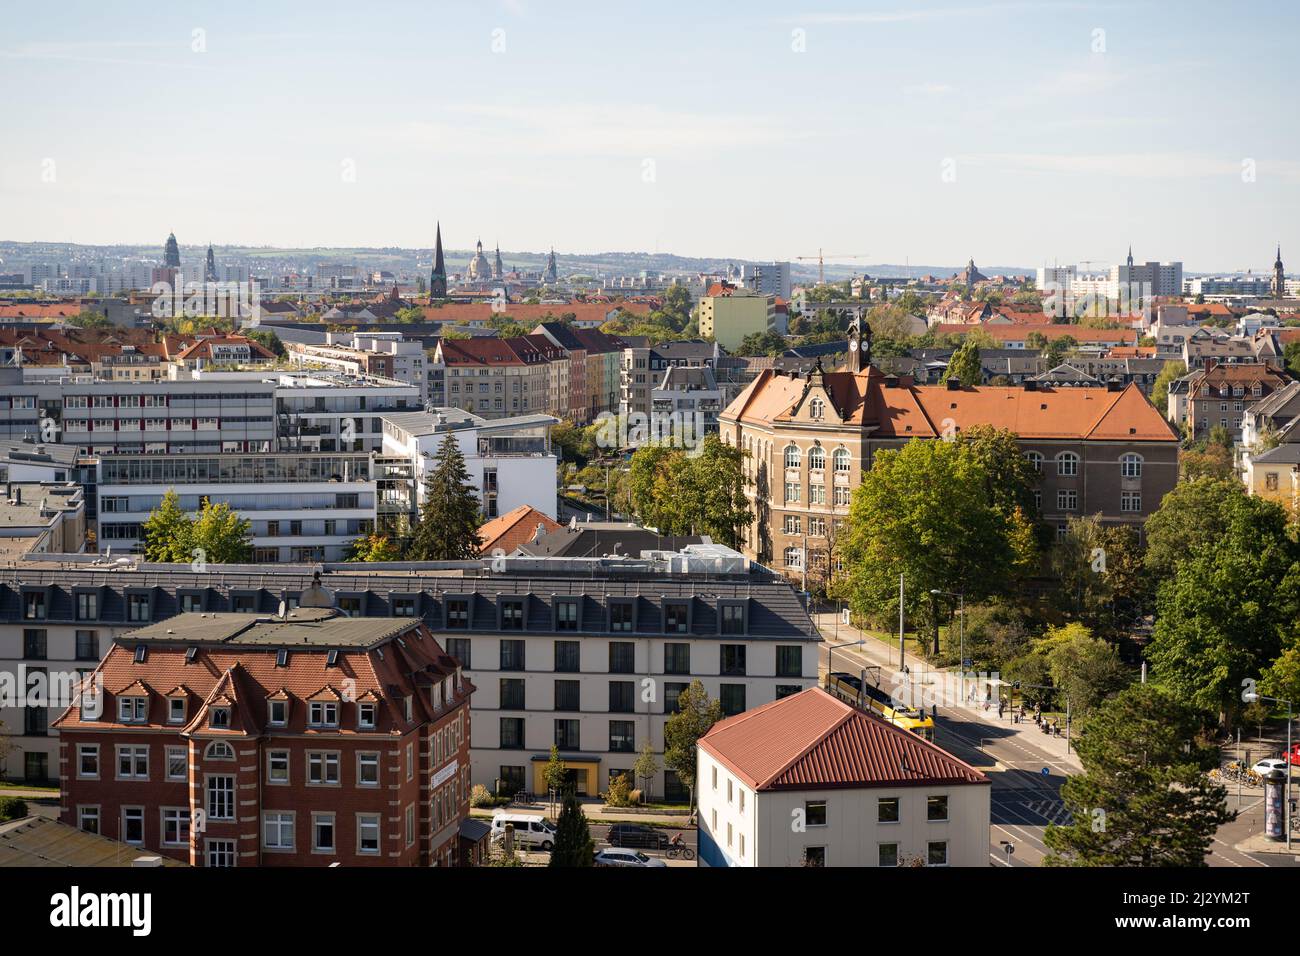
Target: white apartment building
{"type": "Point", "coordinates": [809, 780]}
{"type": "Point", "coordinates": [382, 354]}
{"type": "Point", "coordinates": [509, 460]}
{"type": "Point", "coordinates": [773, 278]}
{"type": "Point", "coordinates": [304, 507]}
{"type": "Point", "coordinates": [334, 411]}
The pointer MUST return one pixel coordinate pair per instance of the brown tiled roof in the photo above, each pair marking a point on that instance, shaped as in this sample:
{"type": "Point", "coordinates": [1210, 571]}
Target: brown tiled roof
{"type": "Point", "coordinates": [811, 741]}
{"type": "Point", "coordinates": [510, 530]}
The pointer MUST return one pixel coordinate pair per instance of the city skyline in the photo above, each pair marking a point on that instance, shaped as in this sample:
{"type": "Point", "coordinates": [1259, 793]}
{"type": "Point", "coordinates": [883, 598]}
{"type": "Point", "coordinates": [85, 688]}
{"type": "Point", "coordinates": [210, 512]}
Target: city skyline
{"type": "Point", "coordinates": [1056, 132]}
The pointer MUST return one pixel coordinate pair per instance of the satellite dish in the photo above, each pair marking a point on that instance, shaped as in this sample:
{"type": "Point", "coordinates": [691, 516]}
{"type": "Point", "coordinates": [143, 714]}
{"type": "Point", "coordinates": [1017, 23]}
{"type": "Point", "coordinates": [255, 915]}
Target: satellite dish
{"type": "Point", "coordinates": [284, 609]}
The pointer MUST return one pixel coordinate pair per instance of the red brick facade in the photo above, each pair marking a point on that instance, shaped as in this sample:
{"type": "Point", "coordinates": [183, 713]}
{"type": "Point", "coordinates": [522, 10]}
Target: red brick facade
{"type": "Point", "coordinates": [249, 752]}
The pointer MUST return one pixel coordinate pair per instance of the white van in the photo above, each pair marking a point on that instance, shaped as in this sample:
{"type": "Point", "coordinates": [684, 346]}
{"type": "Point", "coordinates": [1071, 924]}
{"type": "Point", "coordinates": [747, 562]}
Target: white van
{"type": "Point", "coordinates": [529, 831]}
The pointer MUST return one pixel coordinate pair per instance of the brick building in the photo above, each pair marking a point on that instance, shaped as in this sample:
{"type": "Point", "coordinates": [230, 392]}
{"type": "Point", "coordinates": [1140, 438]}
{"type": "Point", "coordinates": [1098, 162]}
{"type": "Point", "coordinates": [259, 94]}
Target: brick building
{"type": "Point", "coordinates": [225, 739]}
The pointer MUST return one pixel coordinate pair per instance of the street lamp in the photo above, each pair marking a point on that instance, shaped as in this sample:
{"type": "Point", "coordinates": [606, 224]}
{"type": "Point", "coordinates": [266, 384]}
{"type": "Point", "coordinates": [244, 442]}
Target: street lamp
{"type": "Point", "coordinates": [1251, 697]}
{"type": "Point", "coordinates": [961, 631]}
{"type": "Point", "coordinates": [830, 649]}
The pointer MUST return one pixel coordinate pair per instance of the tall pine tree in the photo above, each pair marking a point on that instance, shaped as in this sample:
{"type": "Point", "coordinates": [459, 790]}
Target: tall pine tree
{"type": "Point", "coordinates": [573, 843]}
{"type": "Point", "coordinates": [449, 517]}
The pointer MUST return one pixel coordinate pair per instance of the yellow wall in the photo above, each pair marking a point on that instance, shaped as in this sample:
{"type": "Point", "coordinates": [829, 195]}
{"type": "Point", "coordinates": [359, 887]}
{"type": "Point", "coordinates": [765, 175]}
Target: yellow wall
{"type": "Point", "coordinates": [729, 318]}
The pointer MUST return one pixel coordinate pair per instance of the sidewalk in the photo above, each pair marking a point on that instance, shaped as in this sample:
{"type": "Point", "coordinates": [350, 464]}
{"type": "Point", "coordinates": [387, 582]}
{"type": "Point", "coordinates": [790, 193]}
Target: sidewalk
{"type": "Point", "coordinates": [885, 655]}
{"type": "Point", "coordinates": [596, 812]}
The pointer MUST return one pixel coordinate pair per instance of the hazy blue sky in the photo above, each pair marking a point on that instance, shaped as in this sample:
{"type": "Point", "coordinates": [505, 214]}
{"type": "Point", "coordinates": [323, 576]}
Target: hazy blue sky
{"type": "Point", "coordinates": [1055, 150]}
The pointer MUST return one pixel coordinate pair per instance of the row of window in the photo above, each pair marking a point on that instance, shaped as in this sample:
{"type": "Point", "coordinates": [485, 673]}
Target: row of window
{"type": "Point", "coordinates": [1067, 464]}
{"type": "Point", "coordinates": [36, 645]}
{"type": "Point", "coordinates": [840, 458]}
{"type": "Point", "coordinates": [622, 657]}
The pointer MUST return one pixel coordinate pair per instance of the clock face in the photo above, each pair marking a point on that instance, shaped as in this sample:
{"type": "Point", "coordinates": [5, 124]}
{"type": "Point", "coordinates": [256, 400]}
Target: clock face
{"type": "Point", "coordinates": [853, 345]}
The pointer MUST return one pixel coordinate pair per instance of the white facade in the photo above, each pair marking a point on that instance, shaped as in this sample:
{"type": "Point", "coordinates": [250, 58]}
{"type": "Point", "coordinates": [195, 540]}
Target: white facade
{"type": "Point", "coordinates": [741, 827]}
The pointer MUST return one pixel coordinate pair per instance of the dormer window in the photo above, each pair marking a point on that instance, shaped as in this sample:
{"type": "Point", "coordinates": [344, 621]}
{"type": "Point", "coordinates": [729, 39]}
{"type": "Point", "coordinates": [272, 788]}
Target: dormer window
{"type": "Point", "coordinates": [620, 615]}
{"type": "Point", "coordinates": [34, 606]}
{"type": "Point", "coordinates": [512, 614]}
{"type": "Point", "coordinates": [175, 710]}
{"type": "Point", "coordinates": [132, 710]}
{"type": "Point", "coordinates": [366, 716]}
{"type": "Point", "coordinates": [458, 614]}
{"type": "Point", "coordinates": [277, 712]}
{"type": "Point", "coordinates": [323, 713]}
{"type": "Point", "coordinates": [219, 718]}
{"type": "Point", "coordinates": [816, 409]}
{"type": "Point", "coordinates": [676, 618]}
{"type": "Point", "coordinates": [219, 750]}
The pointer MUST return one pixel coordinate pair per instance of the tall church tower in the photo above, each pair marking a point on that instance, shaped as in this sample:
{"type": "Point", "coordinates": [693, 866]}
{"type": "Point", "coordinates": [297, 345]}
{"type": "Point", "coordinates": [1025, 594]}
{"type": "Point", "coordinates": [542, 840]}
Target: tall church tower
{"type": "Point", "coordinates": [172, 253]}
{"type": "Point", "coordinates": [859, 345]}
{"type": "Point", "coordinates": [498, 269]}
{"type": "Point", "coordinates": [552, 272]}
{"type": "Point", "coordinates": [438, 275]}
{"type": "Point", "coordinates": [1130, 257]}
{"type": "Point", "coordinates": [1279, 276]}
{"type": "Point", "coordinates": [210, 267]}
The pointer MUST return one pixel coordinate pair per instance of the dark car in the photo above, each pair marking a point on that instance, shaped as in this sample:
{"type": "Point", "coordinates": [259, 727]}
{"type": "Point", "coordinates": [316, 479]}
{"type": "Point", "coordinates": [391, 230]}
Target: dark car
{"type": "Point", "coordinates": [636, 836]}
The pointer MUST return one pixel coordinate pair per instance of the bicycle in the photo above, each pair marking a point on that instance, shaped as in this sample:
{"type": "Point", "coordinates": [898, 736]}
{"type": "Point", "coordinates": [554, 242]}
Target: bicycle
{"type": "Point", "coordinates": [685, 852]}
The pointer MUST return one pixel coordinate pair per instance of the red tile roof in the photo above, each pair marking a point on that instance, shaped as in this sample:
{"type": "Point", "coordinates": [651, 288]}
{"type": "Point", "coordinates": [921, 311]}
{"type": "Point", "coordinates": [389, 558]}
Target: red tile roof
{"type": "Point", "coordinates": [812, 741]}
{"type": "Point", "coordinates": [510, 530]}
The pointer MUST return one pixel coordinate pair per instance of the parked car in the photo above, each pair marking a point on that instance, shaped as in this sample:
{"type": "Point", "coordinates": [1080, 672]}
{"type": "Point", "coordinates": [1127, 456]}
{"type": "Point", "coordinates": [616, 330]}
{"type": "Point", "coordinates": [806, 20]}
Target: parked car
{"type": "Point", "coordinates": [530, 831]}
{"type": "Point", "coordinates": [1268, 765]}
{"type": "Point", "coordinates": [620, 857]}
{"type": "Point", "coordinates": [637, 836]}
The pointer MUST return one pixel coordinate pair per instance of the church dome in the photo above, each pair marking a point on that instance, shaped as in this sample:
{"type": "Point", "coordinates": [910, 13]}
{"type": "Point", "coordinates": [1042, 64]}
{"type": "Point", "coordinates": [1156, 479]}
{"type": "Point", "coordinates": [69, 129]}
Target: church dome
{"type": "Point", "coordinates": [479, 267]}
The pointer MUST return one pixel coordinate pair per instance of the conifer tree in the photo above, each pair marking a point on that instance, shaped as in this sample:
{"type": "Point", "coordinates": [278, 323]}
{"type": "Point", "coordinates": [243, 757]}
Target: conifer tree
{"type": "Point", "coordinates": [449, 517]}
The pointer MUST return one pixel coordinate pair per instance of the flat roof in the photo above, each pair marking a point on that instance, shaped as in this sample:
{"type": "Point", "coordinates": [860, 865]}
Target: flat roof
{"type": "Point", "coordinates": [319, 627]}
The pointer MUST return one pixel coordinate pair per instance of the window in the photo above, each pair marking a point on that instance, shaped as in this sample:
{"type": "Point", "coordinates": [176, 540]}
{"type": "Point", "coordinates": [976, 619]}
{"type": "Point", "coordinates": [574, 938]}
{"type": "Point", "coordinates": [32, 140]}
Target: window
{"type": "Point", "coordinates": [792, 524]}
{"type": "Point", "coordinates": [322, 768]}
{"type": "Point", "coordinates": [512, 615]}
{"type": "Point", "coordinates": [221, 797]}
{"type": "Point", "coordinates": [323, 713]}
{"type": "Point", "coordinates": [133, 762]}
{"type": "Point", "coordinates": [789, 660]}
{"type": "Point", "coordinates": [1131, 501]}
{"type": "Point", "coordinates": [512, 693]}
{"type": "Point", "coordinates": [512, 733]}
{"type": "Point", "coordinates": [458, 647]}
{"type": "Point", "coordinates": [840, 459]}
{"type": "Point", "coordinates": [733, 660]}
{"type": "Point", "coordinates": [1067, 499]}
{"type": "Point", "coordinates": [322, 832]}
{"type": "Point", "coordinates": [368, 833]}
{"type": "Point", "coordinates": [138, 607]}
{"type": "Point", "coordinates": [936, 808]}
{"type": "Point", "coordinates": [366, 711]}
{"type": "Point", "coordinates": [567, 656]}
{"type": "Point", "coordinates": [888, 854]}
{"type": "Point", "coordinates": [132, 710]}
{"type": "Point", "coordinates": [814, 856]}
{"type": "Point", "coordinates": [787, 690]}
{"type": "Point", "coordinates": [622, 657]}
{"type": "Point", "coordinates": [842, 495]}
{"type": "Point", "coordinates": [88, 761]}
{"type": "Point", "coordinates": [512, 655]}
{"type": "Point", "coordinates": [219, 718]}
{"type": "Point", "coordinates": [277, 712]}
{"type": "Point", "coordinates": [277, 830]}
{"type": "Point", "coordinates": [622, 697]}
{"type": "Point", "coordinates": [34, 606]}
{"type": "Point", "coordinates": [677, 658]}
{"type": "Point", "coordinates": [191, 603]}
{"type": "Point", "coordinates": [1130, 465]}
{"type": "Point", "coordinates": [676, 618]}
{"type": "Point", "coordinates": [733, 619]}
{"type": "Point", "coordinates": [814, 813]}
{"type": "Point", "coordinates": [1036, 460]}
{"type": "Point", "coordinates": [221, 854]}
{"type": "Point", "coordinates": [620, 615]}
{"type": "Point", "coordinates": [732, 697]}
{"type": "Point", "coordinates": [817, 458]}
{"type": "Point", "coordinates": [87, 645]}
{"type": "Point", "coordinates": [567, 735]}
{"type": "Point", "coordinates": [403, 607]}
{"type": "Point", "coordinates": [87, 607]}
{"type": "Point", "coordinates": [219, 750]}
{"type": "Point", "coordinates": [791, 492]}
{"type": "Point", "coordinates": [566, 615]}
{"type": "Point", "coordinates": [410, 825]}
{"type": "Point", "coordinates": [34, 644]}
{"type": "Point", "coordinates": [792, 456]}
{"type": "Point", "coordinates": [458, 613]}
{"type": "Point", "coordinates": [367, 770]}
{"type": "Point", "coordinates": [793, 558]}
{"type": "Point", "coordinates": [816, 496]}
{"type": "Point", "coordinates": [567, 695]}
{"type": "Point", "coordinates": [671, 693]}
{"type": "Point", "coordinates": [816, 409]}
{"type": "Point", "coordinates": [937, 853]}
{"type": "Point", "coordinates": [178, 763]}
{"type": "Point", "coordinates": [887, 810]}
{"type": "Point", "coordinates": [88, 819]}
{"type": "Point", "coordinates": [1067, 464]}
{"type": "Point", "coordinates": [622, 736]}
{"type": "Point", "coordinates": [133, 825]}
{"type": "Point", "coordinates": [277, 766]}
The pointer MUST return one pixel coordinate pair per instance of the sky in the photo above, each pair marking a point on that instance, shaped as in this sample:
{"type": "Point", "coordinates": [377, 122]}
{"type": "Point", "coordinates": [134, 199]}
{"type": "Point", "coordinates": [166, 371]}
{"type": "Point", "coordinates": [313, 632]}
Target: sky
{"type": "Point", "coordinates": [1016, 133]}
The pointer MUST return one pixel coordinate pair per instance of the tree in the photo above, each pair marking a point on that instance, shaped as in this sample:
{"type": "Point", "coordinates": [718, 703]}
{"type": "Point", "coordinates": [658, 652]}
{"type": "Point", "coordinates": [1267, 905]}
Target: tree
{"type": "Point", "coordinates": [1099, 572]}
{"type": "Point", "coordinates": [166, 532]}
{"type": "Point", "coordinates": [928, 510]}
{"type": "Point", "coordinates": [1291, 357]}
{"type": "Point", "coordinates": [1085, 668]}
{"type": "Point", "coordinates": [373, 548]}
{"type": "Point", "coordinates": [762, 343]}
{"type": "Point", "coordinates": [1058, 348]}
{"type": "Point", "coordinates": [449, 517]}
{"type": "Point", "coordinates": [1169, 372]}
{"type": "Point", "coordinates": [1230, 609]}
{"type": "Point", "coordinates": [1143, 798]}
{"type": "Point", "coordinates": [1194, 514]}
{"type": "Point", "coordinates": [682, 494]}
{"type": "Point", "coordinates": [965, 365]}
{"type": "Point", "coordinates": [646, 766]}
{"type": "Point", "coordinates": [220, 536]}
{"type": "Point", "coordinates": [573, 843]}
{"type": "Point", "coordinates": [555, 774]}
{"type": "Point", "coordinates": [695, 714]}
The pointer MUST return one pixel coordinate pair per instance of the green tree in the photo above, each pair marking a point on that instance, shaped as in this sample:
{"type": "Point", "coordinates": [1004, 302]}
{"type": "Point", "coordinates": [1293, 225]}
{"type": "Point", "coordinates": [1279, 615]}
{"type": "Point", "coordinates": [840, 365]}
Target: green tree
{"type": "Point", "coordinates": [573, 843]}
{"type": "Point", "coordinates": [1100, 576]}
{"type": "Point", "coordinates": [680, 493]}
{"type": "Point", "coordinates": [371, 548]}
{"type": "Point", "coordinates": [220, 536]}
{"type": "Point", "coordinates": [965, 365]}
{"type": "Point", "coordinates": [646, 766]}
{"type": "Point", "coordinates": [927, 510]}
{"type": "Point", "coordinates": [1143, 798]}
{"type": "Point", "coordinates": [555, 774]}
{"type": "Point", "coordinates": [1195, 514]}
{"type": "Point", "coordinates": [1169, 372]}
{"type": "Point", "coordinates": [695, 714]}
{"type": "Point", "coordinates": [449, 517]}
{"type": "Point", "coordinates": [1291, 357]}
{"type": "Point", "coordinates": [763, 343]}
{"type": "Point", "coordinates": [1085, 668]}
{"type": "Point", "coordinates": [167, 532]}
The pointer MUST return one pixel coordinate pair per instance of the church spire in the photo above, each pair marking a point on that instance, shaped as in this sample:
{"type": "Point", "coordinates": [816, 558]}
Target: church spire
{"type": "Point", "coordinates": [498, 267]}
{"type": "Point", "coordinates": [1279, 276]}
{"type": "Point", "coordinates": [438, 275]}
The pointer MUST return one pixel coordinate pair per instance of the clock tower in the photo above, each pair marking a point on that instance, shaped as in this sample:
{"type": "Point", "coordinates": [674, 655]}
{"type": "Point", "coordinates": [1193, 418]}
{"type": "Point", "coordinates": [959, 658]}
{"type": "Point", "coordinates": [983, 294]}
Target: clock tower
{"type": "Point", "coordinates": [859, 345]}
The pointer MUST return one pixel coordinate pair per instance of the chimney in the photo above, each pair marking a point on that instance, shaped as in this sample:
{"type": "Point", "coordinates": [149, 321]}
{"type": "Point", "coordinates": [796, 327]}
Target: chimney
{"type": "Point", "coordinates": [1031, 385]}
{"type": "Point", "coordinates": [954, 385]}
{"type": "Point", "coordinates": [891, 381]}
{"type": "Point", "coordinates": [18, 495]}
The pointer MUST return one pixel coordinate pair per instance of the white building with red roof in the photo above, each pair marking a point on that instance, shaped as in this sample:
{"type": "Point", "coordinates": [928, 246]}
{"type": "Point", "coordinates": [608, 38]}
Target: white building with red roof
{"type": "Point", "coordinates": [809, 780]}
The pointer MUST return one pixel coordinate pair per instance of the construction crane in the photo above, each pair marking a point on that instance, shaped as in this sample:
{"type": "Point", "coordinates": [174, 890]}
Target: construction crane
{"type": "Point", "coordinates": [821, 262]}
